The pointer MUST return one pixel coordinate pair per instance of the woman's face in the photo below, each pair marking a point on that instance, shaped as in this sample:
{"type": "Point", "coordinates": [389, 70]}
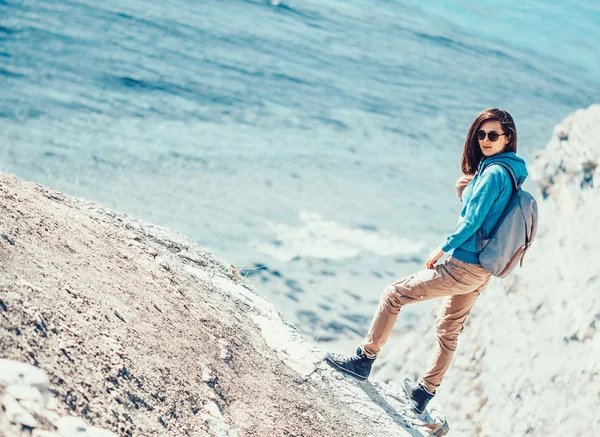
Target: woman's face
{"type": "Point", "coordinates": [489, 148]}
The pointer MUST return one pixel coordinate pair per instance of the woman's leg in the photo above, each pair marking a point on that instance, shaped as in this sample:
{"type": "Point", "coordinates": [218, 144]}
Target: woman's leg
{"type": "Point", "coordinates": [450, 278]}
{"type": "Point", "coordinates": [385, 318]}
{"type": "Point", "coordinates": [426, 284]}
{"type": "Point", "coordinates": [450, 324]}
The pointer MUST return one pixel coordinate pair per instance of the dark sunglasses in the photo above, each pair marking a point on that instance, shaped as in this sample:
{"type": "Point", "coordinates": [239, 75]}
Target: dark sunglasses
{"type": "Point", "coordinates": [492, 136]}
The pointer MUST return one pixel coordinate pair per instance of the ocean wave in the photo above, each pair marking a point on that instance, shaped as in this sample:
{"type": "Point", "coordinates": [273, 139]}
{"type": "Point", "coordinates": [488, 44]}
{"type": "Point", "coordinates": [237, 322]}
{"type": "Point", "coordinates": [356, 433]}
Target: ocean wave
{"type": "Point", "coordinates": [327, 239]}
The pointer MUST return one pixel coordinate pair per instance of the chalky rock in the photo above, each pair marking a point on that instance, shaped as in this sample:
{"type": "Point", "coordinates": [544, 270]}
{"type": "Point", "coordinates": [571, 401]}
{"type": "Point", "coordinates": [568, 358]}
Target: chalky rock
{"type": "Point", "coordinates": [22, 374]}
{"type": "Point", "coordinates": [24, 398]}
{"type": "Point", "coordinates": [28, 397]}
{"type": "Point", "coordinates": [16, 373]}
{"type": "Point", "coordinates": [218, 427]}
{"type": "Point", "coordinates": [16, 413]}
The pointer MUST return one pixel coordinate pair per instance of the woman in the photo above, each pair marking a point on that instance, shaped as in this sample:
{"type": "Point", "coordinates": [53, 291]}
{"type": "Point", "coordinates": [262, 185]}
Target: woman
{"type": "Point", "coordinates": [485, 190]}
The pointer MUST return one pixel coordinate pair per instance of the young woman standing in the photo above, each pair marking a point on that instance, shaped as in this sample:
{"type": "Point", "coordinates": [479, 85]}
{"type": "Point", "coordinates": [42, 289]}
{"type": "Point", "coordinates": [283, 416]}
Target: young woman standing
{"type": "Point", "coordinates": [485, 193]}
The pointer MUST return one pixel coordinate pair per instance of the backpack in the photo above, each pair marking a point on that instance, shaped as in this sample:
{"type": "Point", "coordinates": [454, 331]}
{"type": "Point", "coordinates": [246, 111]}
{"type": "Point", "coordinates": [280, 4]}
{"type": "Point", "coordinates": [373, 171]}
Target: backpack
{"type": "Point", "coordinates": [508, 242]}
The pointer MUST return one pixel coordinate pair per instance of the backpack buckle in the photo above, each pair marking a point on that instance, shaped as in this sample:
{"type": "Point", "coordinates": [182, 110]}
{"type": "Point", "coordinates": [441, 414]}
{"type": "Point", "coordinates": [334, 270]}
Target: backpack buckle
{"type": "Point", "coordinates": [524, 247]}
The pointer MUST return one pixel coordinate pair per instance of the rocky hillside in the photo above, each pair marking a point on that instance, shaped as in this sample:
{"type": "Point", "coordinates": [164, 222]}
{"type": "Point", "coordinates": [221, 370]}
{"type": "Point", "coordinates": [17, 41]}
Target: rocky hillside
{"type": "Point", "coordinates": [112, 325]}
{"type": "Point", "coordinates": [528, 362]}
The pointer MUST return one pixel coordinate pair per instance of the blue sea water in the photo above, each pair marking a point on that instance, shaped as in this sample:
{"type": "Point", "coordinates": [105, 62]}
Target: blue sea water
{"type": "Point", "coordinates": [313, 143]}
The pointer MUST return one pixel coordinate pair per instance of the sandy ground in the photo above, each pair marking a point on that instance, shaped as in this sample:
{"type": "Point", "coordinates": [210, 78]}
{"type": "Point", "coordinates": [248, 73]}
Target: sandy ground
{"type": "Point", "coordinates": [144, 333]}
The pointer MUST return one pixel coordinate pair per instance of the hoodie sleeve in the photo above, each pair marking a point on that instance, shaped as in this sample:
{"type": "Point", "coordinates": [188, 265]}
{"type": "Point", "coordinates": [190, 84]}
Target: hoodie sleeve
{"type": "Point", "coordinates": [485, 192]}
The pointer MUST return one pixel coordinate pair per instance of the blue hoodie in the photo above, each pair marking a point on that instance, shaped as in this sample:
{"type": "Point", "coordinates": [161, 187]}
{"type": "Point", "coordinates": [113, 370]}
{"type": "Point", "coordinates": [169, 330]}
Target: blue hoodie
{"type": "Point", "coordinates": [484, 201]}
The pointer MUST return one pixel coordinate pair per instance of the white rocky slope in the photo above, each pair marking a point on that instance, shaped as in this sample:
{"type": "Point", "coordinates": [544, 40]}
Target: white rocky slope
{"type": "Point", "coordinates": [528, 361]}
{"type": "Point", "coordinates": [136, 330]}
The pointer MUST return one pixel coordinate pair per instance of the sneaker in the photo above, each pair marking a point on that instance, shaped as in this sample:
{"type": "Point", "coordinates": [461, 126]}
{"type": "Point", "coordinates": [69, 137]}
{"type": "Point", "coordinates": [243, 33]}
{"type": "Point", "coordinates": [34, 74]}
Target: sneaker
{"type": "Point", "coordinates": [357, 364]}
{"type": "Point", "coordinates": [418, 396]}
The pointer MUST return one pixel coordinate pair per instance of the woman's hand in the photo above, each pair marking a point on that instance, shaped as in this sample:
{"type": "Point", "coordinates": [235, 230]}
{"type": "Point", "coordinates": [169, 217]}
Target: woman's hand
{"type": "Point", "coordinates": [433, 258]}
{"type": "Point", "coordinates": [462, 183]}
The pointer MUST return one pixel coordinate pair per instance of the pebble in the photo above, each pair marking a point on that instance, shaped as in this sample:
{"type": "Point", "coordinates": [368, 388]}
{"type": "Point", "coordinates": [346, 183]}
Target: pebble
{"type": "Point", "coordinates": [135, 226]}
{"type": "Point", "coordinates": [212, 409]}
{"type": "Point", "coordinates": [223, 353]}
{"type": "Point", "coordinates": [30, 398]}
{"type": "Point", "coordinates": [16, 413]}
{"type": "Point", "coordinates": [218, 427]}
{"type": "Point", "coordinates": [7, 238]}
{"type": "Point", "coordinates": [25, 393]}
{"type": "Point", "coordinates": [120, 316]}
{"type": "Point", "coordinates": [39, 320]}
{"type": "Point", "coordinates": [113, 341]}
{"type": "Point", "coordinates": [206, 375]}
{"type": "Point", "coordinates": [71, 292]}
{"type": "Point", "coordinates": [14, 372]}
{"type": "Point", "coordinates": [52, 416]}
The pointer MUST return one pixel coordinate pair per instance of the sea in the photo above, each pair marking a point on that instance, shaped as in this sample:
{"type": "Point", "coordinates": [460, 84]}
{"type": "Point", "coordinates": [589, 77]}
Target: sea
{"type": "Point", "coordinates": [312, 144]}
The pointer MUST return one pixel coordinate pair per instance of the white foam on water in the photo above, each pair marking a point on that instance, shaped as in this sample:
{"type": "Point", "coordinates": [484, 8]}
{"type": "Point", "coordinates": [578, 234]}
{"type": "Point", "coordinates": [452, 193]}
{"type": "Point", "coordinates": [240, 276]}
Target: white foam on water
{"type": "Point", "coordinates": [320, 238]}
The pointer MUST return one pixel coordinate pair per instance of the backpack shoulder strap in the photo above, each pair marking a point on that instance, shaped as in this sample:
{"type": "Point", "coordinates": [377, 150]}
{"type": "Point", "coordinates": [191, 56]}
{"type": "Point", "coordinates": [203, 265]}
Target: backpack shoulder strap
{"type": "Point", "coordinates": [511, 173]}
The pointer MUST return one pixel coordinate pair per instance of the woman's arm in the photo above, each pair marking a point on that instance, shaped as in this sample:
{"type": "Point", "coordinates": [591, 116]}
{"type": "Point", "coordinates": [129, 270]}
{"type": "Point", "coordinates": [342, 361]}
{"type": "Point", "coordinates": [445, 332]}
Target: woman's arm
{"type": "Point", "coordinates": [485, 192]}
{"type": "Point", "coordinates": [461, 184]}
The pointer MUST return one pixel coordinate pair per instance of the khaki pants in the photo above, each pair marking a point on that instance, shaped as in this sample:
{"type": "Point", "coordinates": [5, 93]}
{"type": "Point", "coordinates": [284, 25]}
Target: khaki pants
{"type": "Point", "coordinates": [461, 281]}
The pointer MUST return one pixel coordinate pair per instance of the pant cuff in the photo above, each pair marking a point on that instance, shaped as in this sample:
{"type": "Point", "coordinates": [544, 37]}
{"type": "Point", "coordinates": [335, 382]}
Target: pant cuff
{"type": "Point", "coordinates": [368, 353]}
{"type": "Point", "coordinates": [428, 388]}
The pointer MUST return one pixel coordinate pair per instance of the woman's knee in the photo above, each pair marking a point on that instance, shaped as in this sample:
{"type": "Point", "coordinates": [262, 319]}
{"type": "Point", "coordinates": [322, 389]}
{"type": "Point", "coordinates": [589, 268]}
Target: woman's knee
{"type": "Point", "coordinates": [391, 299]}
{"type": "Point", "coordinates": [388, 295]}
{"type": "Point", "coordinates": [397, 294]}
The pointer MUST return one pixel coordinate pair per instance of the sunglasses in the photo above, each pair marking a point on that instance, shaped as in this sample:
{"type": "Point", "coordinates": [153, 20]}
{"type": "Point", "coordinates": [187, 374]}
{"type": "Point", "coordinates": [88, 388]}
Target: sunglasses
{"type": "Point", "coordinates": [492, 136]}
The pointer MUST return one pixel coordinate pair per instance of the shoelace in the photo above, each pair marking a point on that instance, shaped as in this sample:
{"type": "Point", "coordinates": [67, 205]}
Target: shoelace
{"type": "Point", "coordinates": [346, 358]}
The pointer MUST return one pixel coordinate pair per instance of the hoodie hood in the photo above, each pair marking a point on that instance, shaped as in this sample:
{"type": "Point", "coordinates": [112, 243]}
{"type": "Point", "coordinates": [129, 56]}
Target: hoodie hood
{"type": "Point", "coordinates": [512, 160]}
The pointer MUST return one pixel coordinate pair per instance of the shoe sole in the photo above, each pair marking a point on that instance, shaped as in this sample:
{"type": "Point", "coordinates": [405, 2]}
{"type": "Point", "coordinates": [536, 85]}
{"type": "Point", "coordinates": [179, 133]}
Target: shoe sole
{"type": "Point", "coordinates": [410, 401]}
{"type": "Point", "coordinates": [344, 370]}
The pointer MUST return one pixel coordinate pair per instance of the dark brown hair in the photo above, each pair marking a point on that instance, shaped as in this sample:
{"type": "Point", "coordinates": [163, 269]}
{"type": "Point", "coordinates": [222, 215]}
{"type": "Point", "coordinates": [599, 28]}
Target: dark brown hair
{"type": "Point", "coordinates": [472, 155]}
